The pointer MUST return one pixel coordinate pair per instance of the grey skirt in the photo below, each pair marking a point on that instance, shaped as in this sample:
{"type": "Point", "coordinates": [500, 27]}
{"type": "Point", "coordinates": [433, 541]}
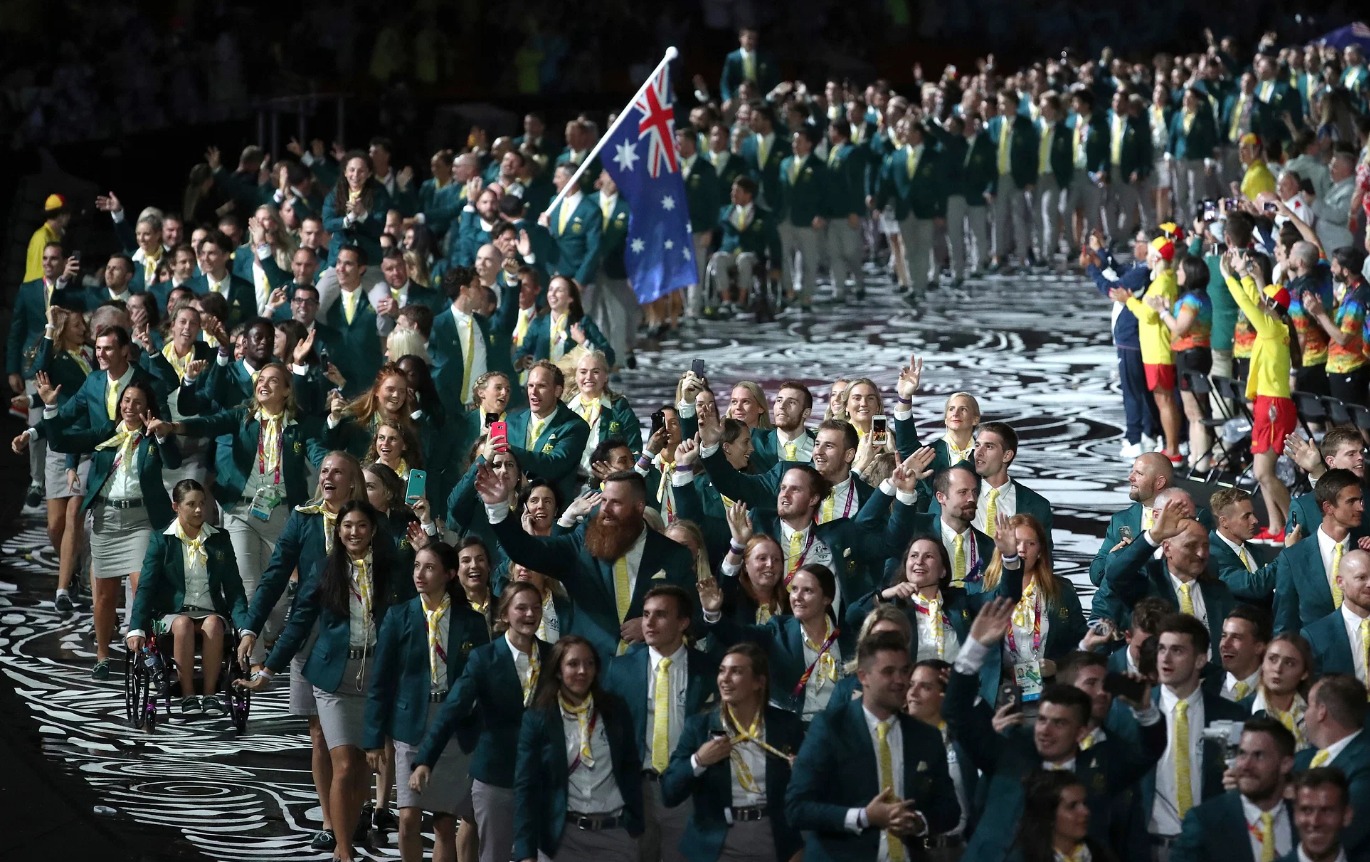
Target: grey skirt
{"type": "Point", "coordinates": [55, 476]}
{"type": "Point", "coordinates": [302, 701]}
{"type": "Point", "coordinates": [118, 541]}
{"type": "Point", "coordinates": [448, 787]}
{"type": "Point", "coordinates": [342, 713]}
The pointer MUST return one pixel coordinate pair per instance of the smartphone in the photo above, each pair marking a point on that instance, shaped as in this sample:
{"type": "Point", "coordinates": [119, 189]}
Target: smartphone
{"type": "Point", "coordinates": [879, 430]}
{"type": "Point", "coordinates": [1231, 203]}
{"type": "Point", "coordinates": [697, 368]}
{"type": "Point", "coordinates": [1210, 210]}
{"type": "Point", "coordinates": [491, 419]}
{"type": "Point", "coordinates": [1010, 696]}
{"type": "Point", "coordinates": [418, 486]}
{"type": "Point", "coordinates": [76, 255]}
{"type": "Point", "coordinates": [500, 430]}
{"type": "Point", "coordinates": [718, 734]}
{"type": "Point", "coordinates": [1271, 209]}
{"type": "Point", "coordinates": [1124, 686]}
{"type": "Point", "coordinates": [658, 421]}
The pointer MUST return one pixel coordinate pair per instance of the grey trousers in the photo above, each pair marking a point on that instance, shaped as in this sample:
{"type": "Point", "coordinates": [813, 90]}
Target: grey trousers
{"type": "Point", "coordinates": [495, 821]}
{"type": "Point", "coordinates": [721, 267]}
{"type": "Point", "coordinates": [577, 845]}
{"type": "Point", "coordinates": [917, 234]}
{"type": "Point", "coordinates": [844, 255]}
{"type": "Point", "coordinates": [1011, 219]}
{"type": "Point", "coordinates": [963, 218]}
{"type": "Point", "coordinates": [805, 242]}
{"type": "Point", "coordinates": [695, 298]}
{"type": "Point", "coordinates": [614, 308]}
{"type": "Point", "coordinates": [664, 828]}
{"type": "Point", "coordinates": [1087, 196]}
{"type": "Point", "coordinates": [1123, 204]}
{"type": "Point", "coordinates": [1051, 213]}
{"type": "Point", "coordinates": [752, 841]}
{"type": "Point", "coordinates": [1191, 186]}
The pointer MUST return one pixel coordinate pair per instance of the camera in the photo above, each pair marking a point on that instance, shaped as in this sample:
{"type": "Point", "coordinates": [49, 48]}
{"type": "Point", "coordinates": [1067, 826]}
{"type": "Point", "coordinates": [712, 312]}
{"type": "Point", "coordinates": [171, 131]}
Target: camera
{"type": "Point", "coordinates": [1228, 734]}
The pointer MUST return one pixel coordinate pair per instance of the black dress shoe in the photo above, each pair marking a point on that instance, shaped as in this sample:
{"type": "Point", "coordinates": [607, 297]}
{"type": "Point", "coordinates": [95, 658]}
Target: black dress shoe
{"type": "Point", "coordinates": [324, 840]}
{"type": "Point", "coordinates": [384, 821]}
{"type": "Point", "coordinates": [632, 362]}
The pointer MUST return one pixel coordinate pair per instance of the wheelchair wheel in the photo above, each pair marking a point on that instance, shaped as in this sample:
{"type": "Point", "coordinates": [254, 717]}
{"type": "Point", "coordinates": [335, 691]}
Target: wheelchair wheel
{"type": "Point", "coordinates": [140, 704]}
{"type": "Point", "coordinates": [238, 700]}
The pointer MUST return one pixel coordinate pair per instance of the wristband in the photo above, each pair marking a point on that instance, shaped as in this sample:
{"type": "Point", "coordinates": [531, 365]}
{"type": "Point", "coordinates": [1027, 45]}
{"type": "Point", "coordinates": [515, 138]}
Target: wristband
{"type": "Point", "coordinates": [735, 547]}
{"type": "Point", "coordinates": [684, 468]}
{"type": "Point", "coordinates": [903, 400]}
{"type": "Point", "coordinates": [1012, 559]}
{"type": "Point", "coordinates": [644, 461]}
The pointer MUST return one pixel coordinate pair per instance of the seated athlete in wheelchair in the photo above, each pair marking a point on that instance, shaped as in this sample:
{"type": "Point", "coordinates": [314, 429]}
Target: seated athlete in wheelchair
{"type": "Point", "coordinates": [190, 589]}
{"type": "Point", "coordinates": [749, 239]}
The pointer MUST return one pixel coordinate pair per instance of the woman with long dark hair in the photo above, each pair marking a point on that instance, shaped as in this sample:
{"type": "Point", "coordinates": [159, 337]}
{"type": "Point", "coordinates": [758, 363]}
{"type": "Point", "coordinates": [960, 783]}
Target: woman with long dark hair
{"type": "Point", "coordinates": [354, 212]}
{"type": "Point", "coordinates": [496, 686]}
{"type": "Point", "coordinates": [578, 782]}
{"type": "Point", "coordinates": [804, 649]}
{"type": "Point", "coordinates": [1191, 325]}
{"type": "Point", "coordinates": [1055, 822]}
{"type": "Point", "coordinates": [565, 327]}
{"type": "Point", "coordinates": [422, 651]}
{"type": "Point", "coordinates": [348, 595]}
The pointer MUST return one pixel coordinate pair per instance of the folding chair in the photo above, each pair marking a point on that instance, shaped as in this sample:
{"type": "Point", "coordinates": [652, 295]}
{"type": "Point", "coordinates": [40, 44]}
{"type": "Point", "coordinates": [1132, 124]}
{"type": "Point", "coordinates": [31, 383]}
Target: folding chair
{"type": "Point", "coordinates": [1310, 409]}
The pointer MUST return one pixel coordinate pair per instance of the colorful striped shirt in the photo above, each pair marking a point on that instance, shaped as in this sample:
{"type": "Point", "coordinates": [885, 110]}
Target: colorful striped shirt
{"type": "Point", "coordinates": [1201, 330]}
{"type": "Point", "coordinates": [1313, 340]}
{"type": "Point", "coordinates": [1350, 319]}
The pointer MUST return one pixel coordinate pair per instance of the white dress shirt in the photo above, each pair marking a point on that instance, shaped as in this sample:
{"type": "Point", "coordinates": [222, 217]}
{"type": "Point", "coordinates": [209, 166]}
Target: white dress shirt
{"type": "Point", "coordinates": [1196, 596]}
{"type": "Point", "coordinates": [1165, 816]}
{"type": "Point", "coordinates": [361, 626]}
{"type": "Point", "coordinates": [1353, 638]}
{"type": "Point", "coordinates": [197, 594]}
{"type": "Point", "coordinates": [1284, 832]}
{"type": "Point", "coordinates": [1006, 504]}
{"type": "Point", "coordinates": [841, 502]}
{"type": "Point", "coordinates": [522, 662]}
{"type": "Point", "coordinates": [1325, 545]}
{"type": "Point", "coordinates": [927, 636]}
{"type": "Point", "coordinates": [1230, 684]}
{"type": "Point", "coordinates": [803, 446]}
{"type": "Point", "coordinates": [678, 674]}
{"type": "Point", "coordinates": [123, 482]}
{"type": "Point", "coordinates": [469, 336]}
{"type": "Point", "coordinates": [1338, 747]}
{"type": "Point", "coordinates": [895, 739]}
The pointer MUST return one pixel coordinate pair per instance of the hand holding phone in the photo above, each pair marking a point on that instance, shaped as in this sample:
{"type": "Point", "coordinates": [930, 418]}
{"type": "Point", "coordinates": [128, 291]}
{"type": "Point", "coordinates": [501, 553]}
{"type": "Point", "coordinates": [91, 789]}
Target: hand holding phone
{"type": "Point", "coordinates": [417, 487]}
{"type": "Point", "coordinates": [879, 430]}
{"type": "Point", "coordinates": [1124, 686]}
{"type": "Point", "coordinates": [499, 436]}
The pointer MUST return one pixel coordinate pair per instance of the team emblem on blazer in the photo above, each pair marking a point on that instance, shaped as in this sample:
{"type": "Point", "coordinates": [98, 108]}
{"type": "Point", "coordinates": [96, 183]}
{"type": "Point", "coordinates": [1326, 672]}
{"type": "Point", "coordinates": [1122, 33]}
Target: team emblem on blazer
{"type": "Point", "coordinates": [466, 647]}
{"type": "Point", "coordinates": [1064, 614]}
{"type": "Point", "coordinates": [660, 575]}
{"type": "Point", "coordinates": [297, 447]}
{"type": "Point", "coordinates": [575, 227]}
{"type": "Point", "coordinates": [614, 426]}
{"type": "Point", "coordinates": [922, 766]}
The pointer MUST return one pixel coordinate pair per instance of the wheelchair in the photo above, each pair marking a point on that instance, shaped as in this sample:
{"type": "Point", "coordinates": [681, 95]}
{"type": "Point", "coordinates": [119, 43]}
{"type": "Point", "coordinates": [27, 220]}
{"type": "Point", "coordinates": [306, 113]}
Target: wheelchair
{"type": "Point", "coordinates": [764, 297]}
{"type": "Point", "coordinates": [152, 675]}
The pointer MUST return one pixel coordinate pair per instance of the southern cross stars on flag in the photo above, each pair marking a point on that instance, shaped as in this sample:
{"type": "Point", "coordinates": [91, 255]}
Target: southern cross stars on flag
{"type": "Point", "coordinates": [659, 256]}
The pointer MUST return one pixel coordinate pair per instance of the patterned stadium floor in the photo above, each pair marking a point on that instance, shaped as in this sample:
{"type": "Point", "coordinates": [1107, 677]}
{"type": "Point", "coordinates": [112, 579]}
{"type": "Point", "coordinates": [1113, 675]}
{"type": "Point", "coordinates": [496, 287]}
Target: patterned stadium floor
{"type": "Point", "coordinates": [1033, 348]}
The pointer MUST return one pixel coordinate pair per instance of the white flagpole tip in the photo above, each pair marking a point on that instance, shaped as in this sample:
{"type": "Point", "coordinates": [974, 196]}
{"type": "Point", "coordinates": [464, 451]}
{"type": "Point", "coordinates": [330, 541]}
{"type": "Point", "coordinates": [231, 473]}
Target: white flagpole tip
{"type": "Point", "coordinates": [671, 53]}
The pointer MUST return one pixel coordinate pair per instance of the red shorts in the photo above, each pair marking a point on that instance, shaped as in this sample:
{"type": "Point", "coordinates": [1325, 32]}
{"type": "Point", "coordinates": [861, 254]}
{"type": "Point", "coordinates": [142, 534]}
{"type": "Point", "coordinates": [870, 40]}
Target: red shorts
{"type": "Point", "coordinates": [1275, 419]}
{"type": "Point", "coordinates": [1160, 378]}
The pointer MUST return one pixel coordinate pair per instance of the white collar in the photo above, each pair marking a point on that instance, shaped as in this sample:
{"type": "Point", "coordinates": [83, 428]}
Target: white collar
{"type": "Point", "coordinates": [677, 658]}
{"type": "Point", "coordinates": [1253, 811]}
{"type": "Point", "coordinates": [1251, 680]}
{"type": "Point", "coordinates": [123, 378]}
{"type": "Point", "coordinates": [206, 530]}
{"type": "Point", "coordinates": [1169, 698]}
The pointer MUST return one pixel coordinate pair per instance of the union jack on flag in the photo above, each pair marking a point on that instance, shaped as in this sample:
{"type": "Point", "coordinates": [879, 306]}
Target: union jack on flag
{"type": "Point", "coordinates": [659, 252]}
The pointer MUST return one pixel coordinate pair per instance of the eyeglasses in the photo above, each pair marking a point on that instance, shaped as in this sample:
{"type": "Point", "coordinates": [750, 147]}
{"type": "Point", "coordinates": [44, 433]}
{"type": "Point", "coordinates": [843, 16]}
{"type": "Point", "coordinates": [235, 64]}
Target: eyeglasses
{"type": "Point", "coordinates": [303, 300]}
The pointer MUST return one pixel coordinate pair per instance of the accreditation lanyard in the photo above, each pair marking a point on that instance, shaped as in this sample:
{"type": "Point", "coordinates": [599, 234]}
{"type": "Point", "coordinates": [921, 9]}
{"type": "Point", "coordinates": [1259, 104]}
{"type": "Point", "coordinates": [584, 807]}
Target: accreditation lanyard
{"type": "Point", "coordinates": [261, 449]}
{"type": "Point", "coordinates": [822, 651]}
{"type": "Point", "coordinates": [799, 560]}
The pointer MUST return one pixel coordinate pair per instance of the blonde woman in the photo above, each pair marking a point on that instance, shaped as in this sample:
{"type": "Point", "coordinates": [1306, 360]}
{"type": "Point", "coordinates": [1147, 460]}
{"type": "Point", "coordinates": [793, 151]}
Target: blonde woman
{"type": "Point", "coordinates": [265, 259]}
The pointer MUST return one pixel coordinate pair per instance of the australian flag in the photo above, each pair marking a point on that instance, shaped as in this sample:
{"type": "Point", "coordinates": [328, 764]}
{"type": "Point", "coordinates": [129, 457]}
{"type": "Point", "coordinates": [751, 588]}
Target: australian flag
{"type": "Point", "coordinates": [640, 156]}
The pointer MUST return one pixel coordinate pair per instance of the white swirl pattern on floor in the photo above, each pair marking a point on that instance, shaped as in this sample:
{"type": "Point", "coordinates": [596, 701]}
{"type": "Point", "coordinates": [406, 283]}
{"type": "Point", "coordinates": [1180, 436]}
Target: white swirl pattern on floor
{"type": "Point", "coordinates": [1034, 349]}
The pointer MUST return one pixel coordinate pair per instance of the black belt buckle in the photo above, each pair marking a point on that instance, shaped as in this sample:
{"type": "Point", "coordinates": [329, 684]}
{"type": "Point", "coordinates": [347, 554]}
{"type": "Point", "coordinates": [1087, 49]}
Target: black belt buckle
{"type": "Point", "coordinates": [121, 505]}
{"type": "Point", "coordinates": [749, 814]}
{"type": "Point", "coordinates": [594, 822]}
{"type": "Point", "coordinates": [437, 696]}
{"type": "Point", "coordinates": [357, 652]}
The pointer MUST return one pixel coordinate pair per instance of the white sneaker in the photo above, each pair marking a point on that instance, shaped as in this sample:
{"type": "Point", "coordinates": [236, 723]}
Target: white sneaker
{"type": "Point", "coordinates": [1203, 465]}
{"type": "Point", "coordinates": [1130, 450]}
{"type": "Point", "coordinates": [1184, 448]}
{"type": "Point", "coordinates": [1148, 443]}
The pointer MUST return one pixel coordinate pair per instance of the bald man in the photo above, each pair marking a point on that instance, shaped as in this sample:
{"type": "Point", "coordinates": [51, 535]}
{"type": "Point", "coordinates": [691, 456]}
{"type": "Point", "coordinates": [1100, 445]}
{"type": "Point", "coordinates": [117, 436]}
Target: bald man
{"type": "Point", "coordinates": [1151, 473]}
{"type": "Point", "coordinates": [1180, 575]}
{"type": "Point", "coordinates": [1341, 640]}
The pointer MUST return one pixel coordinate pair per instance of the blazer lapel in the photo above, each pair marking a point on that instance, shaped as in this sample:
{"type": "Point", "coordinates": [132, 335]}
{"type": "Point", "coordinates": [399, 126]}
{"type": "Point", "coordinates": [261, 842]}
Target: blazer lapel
{"type": "Point", "coordinates": [556, 733]}
{"type": "Point", "coordinates": [1340, 646]}
{"type": "Point", "coordinates": [1234, 823]}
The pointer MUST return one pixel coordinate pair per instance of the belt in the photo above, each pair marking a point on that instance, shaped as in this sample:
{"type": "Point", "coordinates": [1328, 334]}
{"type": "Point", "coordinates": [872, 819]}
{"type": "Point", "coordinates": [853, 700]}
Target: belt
{"type": "Point", "coordinates": [134, 503]}
{"type": "Point", "coordinates": [360, 652]}
{"type": "Point", "coordinates": [437, 696]}
{"type": "Point", "coordinates": [748, 814]}
{"type": "Point", "coordinates": [944, 842]}
{"type": "Point", "coordinates": [1163, 840]}
{"type": "Point", "coordinates": [594, 822]}
{"type": "Point", "coordinates": [186, 609]}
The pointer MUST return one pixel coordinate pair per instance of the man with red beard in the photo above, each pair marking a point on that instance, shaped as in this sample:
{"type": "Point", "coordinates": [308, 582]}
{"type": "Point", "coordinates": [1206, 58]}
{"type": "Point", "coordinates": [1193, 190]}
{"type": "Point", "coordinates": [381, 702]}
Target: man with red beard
{"type": "Point", "coordinates": [607, 565]}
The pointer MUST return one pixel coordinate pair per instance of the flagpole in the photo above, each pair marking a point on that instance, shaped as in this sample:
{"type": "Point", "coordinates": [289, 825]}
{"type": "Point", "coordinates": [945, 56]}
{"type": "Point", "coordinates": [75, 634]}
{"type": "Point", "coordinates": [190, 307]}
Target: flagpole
{"type": "Point", "coordinates": [671, 54]}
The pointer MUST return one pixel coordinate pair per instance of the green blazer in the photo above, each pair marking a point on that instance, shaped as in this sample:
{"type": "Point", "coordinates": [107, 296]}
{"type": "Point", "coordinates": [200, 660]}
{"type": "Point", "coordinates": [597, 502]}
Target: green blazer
{"type": "Point", "coordinates": [220, 386]}
{"type": "Point", "coordinates": [1005, 760]}
{"type": "Point", "coordinates": [590, 581]}
{"type": "Point", "coordinates": [328, 659]}
{"type": "Point", "coordinates": [401, 681]}
{"type": "Point", "coordinates": [1132, 575]}
{"type": "Point", "coordinates": [782, 638]}
{"type": "Point", "coordinates": [1303, 594]}
{"type": "Point", "coordinates": [919, 194]}
{"type": "Point", "coordinates": [1096, 143]}
{"type": "Point", "coordinates": [1022, 150]}
{"type": "Point", "coordinates": [712, 792]}
{"type": "Point", "coordinates": [702, 193]}
{"type": "Point", "coordinates": [1028, 501]}
{"type": "Point", "coordinates": [614, 236]}
{"type": "Point", "coordinates": [1060, 161]}
{"type": "Point", "coordinates": [537, 343]}
{"type": "Point", "coordinates": [242, 268]}
{"type": "Point", "coordinates": [238, 432]}
{"type": "Point", "coordinates": [767, 175]}
{"type": "Point", "coordinates": [441, 206]}
{"type": "Point", "coordinates": [84, 409]}
{"type": "Point", "coordinates": [766, 448]}
{"type": "Point", "coordinates": [700, 503]}
{"type": "Point", "coordinates": [62, 369]}
{"type": "Point", "coordinates": [162, 585]}
{"type": "Point", "coordinates": [152, 458]}
{"type": "Point", "coordinates": [758, 490]}
{"type": "Point", "coordinates": [735, 72]}
{"type": "Point", "coordinates": [356, 347]}
{"type": "Point", "coordinates": [497, 330]}
{"type": "Point", "coordinates": [1331, 647]}
{"type": "Point", "coordinates": [587, 180]}
{"type": "Point", "coordinates": [488, 687]}
{"type": "Point", "coordinates": [626, 676]}
{"type": "Point", "coordinates": [803, 196]}
{"type": "Point", "coordinates": [157, 365]}
{"type": "Point", "coordinates": [760, 237]}
{"type": "Point", "coordinates": [1135, 155]}
{"type": "Point", "coordinates": [1354, 762]}
{"type": "Point", "coordinates": [1256, 587]}
{"type": "Point", "coordinates": [836, 770]}
{"type": "Point", "coordinates": [846, 169]}
{"type": "Point", "coordinates": [365, 234]}
{"type": "Point", "coordinates": [555, 455]}
{"type": "Point", "coordinates": [1217, 828]}
{"type": "Point", "coordinates": [906, 524]}
{"type": "Point", "coordinates": [727, 167]}
{"type": "Point", "coordinates": [241, 296]}
{"type": "Point", "coordinates": [578, 242]}
{"type": "Point", "coordinates": [29, 320]}
{"type": "Point", "coordinates": [1200, 142]}
{"type": "Point", "coordinates": [542, 777]}
{"type": "Point", "coordinates": [1129, 519]}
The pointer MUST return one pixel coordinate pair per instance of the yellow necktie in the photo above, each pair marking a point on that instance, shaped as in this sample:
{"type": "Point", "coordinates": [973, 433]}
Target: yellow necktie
{"type": "Point", "coordinates": [661, 717]}
{"type": "Point", "coordinates": [1088, 743]}
{"type": "Point", "coordinates": [1186, 600]}
{"type": "Point", "coordinates": [1320, 759]}
{"type": "Point", "coordinates": [792, 556]}
{"type": "Point", "coordinates": [216, 287]}
{"type": "Point", "coordinates": [833, 156]}
{"type": "Point", "coordinates": [534, 666]}
{"type": "Point", "coordinates": [563, 216]}
{"type": "Point", "coordinates": [1233, 132]}
{"type": "Point", "coordinates": [1044, 151]}
{"type": "Point", "coordinates": [911, 161]}
{"type": "Point", "coordinates": [534, 430]}
{"type": "Point", "coordinates": [1148, 518]}
{"type": "Point", "coordinates": [749, 67]}
{"type": "Point", "coordinates": [623, 594]}
{"type": "Point", "coordinates": [195, 546]}
{"type": "Point", "coordinates": [1337, 550]}
{"type": "Point", "coordinates": [111, 398]}
{"type": "Point", "coordinates": [958, 566]}
{"type": "Point", "coordinates": [762, 151]}
{"type": "Point", "coordinates": [1005, 134]}
{"type": "Point", "coordinates": [790, 449]}
{"type": "Point", "coordinates": [606, 206]}
{"type": "Point", "coordinates": [795, 165]}
{"type": "Point", "coordinates": [1118, 129]}
{"type": "Point", "coordinates": [882, 733]}
{"type": "Point", "coordinates": [1184, 790]}
{"type": "Point", "coordinates": [1244, 557]}
{"type": "Point", "coordinates": [1267, 837]}
{"type": "Point", "coordinates": [582, 715]}
{"type": "Point", "coordinates": [1365, 637]}
{"type": "Point", "coordinates": [1241, 689]}
{"type": "Point", "coordinates": [468, 354]}
{"type": "Point", "coordinates": [991, 511]}
{"type": "Point", "coordinates": [434, 617]}
{"type": "Point", "coordinates": [350, 305]}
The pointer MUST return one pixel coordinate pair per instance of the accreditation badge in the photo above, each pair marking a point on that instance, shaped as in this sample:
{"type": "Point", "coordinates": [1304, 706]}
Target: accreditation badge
{"type": "Point", "coordinates": [1027, 676]}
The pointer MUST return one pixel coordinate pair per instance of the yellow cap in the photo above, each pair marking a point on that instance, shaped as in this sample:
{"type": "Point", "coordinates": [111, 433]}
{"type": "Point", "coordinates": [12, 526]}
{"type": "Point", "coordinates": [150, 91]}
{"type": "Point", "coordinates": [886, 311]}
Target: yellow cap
{"type": "Point", "coordinates": [54, 203]}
